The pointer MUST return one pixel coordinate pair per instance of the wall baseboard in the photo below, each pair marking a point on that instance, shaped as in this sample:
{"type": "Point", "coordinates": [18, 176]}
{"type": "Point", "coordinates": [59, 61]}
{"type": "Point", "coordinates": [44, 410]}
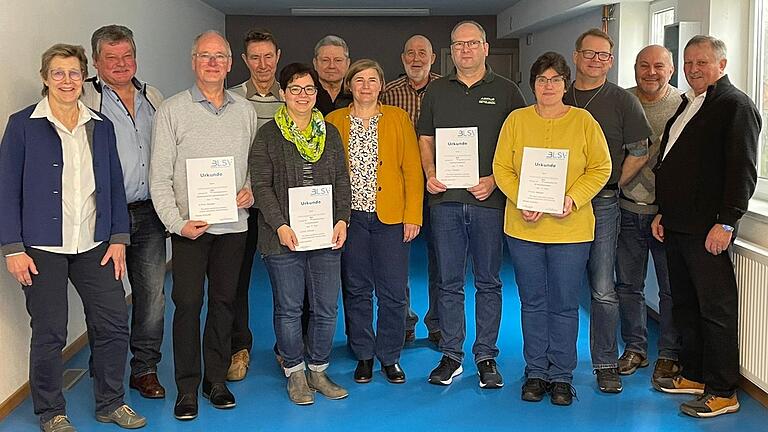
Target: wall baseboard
{"type": "Point", "coordinates": [754, 391]}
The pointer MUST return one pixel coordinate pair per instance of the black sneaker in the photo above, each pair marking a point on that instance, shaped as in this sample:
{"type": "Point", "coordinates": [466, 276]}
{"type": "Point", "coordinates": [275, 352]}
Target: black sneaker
{"type": "Point", "coordinates": [561, 393]}
{"type": "Point", "coordinates": [444, 373]}
{"type": "Point", "coordinates": [490, 378]}
{"type": "Point", "coordinates": [534, 389]}
{"type": "Point", "coordinates": [608, 380]}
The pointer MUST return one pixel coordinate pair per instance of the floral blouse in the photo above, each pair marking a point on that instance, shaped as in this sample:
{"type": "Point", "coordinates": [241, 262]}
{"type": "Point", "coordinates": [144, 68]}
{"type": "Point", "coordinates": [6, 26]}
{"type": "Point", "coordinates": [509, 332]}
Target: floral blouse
{"type": "Point", "coordinates": [363, 162]}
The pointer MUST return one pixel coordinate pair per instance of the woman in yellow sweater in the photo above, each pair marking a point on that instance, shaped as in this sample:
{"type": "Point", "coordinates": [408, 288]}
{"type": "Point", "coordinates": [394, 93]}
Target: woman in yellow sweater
{"type": "Point", "coordinates": [549, 250]}
{"type": "Point", "coordinates": [387, 193]}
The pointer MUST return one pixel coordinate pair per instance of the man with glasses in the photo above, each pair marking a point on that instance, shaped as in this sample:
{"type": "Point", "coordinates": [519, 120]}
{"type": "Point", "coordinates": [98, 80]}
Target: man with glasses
{"type": "Point", "coordinates": [407, 92]}
{"type": "Point", "coordinates": [205, 121]}
{"type": "Point", "coordinates": [626, 129]}
{"type": "Point", "coordinates": [705, 176]}
{"type": "Point", "coordinates": [331, 62]}
{"type": "Point", "coordinates": [131, 105]}
{"type": "Point", "coordinates": [653, 69]}
{"type": "Point", "coordinates": [261, 56]}
{"type": "Point", "coordinates": [467, 223]}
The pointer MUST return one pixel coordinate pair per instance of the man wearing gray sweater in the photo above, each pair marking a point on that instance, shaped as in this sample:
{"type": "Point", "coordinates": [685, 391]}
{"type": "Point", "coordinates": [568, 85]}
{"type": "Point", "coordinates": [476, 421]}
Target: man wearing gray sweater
{"type": "Point", "coordinates": [653, 69]}
{"type": "Point", "coordinates": [205, 121]}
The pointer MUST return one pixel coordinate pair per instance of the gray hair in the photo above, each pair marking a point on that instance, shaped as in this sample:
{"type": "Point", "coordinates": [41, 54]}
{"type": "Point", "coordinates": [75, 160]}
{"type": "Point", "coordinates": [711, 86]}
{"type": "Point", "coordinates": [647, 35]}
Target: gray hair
{"type": "Point", "coordinates": [418, 36]}
{"type": "Point", "coordinates": [332, 40]}
{"type": "Point", "coordinates": [111, 34]}
{"type": "Point", "coordinates": [208, 33]}
{"type": "Point", "coordinates": [718, 46]}
{"type": "Point", "coordinates": [471, 22]}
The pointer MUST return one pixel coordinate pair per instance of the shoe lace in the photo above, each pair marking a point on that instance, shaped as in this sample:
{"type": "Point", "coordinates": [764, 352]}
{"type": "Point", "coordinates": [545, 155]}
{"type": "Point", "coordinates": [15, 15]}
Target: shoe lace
{"type": "Point", "coordinates": [570, 388]}
{"type": "Point", "coordinates": [126, 409]}
{"type": "Point", "coordinates": [488, 366]}
{"type": "Point", "coordinates": [59, 419]}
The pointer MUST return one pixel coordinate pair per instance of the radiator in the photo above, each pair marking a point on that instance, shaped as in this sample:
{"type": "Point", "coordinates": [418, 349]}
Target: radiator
{"type": "Point", "coordinates": [751, 265]}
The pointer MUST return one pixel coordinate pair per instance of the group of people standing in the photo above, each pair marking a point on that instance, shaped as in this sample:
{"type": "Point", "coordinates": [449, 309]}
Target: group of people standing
{"type": "Point", "coordinates": [95, 174]}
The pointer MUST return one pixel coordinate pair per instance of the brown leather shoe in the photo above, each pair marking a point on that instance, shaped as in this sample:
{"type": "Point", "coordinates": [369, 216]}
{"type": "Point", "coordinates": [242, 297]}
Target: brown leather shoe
{"type": "Point", "coordinates": [148, 386]}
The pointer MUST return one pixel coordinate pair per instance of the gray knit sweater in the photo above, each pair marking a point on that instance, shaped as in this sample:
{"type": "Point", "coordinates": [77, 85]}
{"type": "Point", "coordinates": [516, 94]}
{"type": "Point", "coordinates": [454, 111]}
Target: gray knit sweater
{"type": "Point", "coordinates": [185, 129]}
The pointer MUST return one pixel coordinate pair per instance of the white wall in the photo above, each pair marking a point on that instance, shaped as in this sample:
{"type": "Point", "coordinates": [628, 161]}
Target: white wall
{"type": "Point", "coordinates": [164, 31]}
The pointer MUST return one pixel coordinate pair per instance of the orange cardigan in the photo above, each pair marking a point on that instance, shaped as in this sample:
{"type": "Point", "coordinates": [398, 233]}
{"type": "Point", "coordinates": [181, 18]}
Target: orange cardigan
{"type": "Point", "coordinates": [400, 180]}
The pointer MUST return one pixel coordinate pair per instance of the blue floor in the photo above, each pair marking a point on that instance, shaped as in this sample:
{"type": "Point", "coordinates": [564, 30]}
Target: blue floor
{"type": "Point", "coordinates": [263, 405]}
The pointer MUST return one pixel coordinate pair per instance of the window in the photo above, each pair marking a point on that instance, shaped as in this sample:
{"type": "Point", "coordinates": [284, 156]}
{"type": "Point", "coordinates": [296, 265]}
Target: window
{"type": "Point", "coordinates": [662, 12]}
{"type": "Point", "coordinates": [761, 94]}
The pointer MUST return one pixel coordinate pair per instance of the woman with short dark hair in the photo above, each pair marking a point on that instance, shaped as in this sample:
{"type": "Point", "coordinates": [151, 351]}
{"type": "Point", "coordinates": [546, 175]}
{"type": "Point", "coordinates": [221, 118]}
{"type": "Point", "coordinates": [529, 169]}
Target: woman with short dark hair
{"type": "Point", "coordinates": [550, 250]}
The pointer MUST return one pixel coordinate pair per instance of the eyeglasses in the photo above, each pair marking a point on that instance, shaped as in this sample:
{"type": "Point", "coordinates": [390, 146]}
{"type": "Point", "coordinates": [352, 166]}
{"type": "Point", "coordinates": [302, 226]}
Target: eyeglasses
{"type": "Point", "coordinates": [296, 90]}
{"type": "Point", "coordinates": [590, 54]}
{"type": "Point", "coordinates": [326, 61]}
{"type": "Point", "coordinates": [207, 57]}
{"type": "Point", "coordinates": [59, 74]}
{"type": "Point", "coordinates": [459, 45]}
{"type": "Point", "coordinates": [555, 80]}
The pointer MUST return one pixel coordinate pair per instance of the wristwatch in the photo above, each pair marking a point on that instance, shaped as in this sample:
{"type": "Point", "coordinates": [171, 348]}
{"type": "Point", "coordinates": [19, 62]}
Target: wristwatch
{"type": "Point", "coordinates": [727, 228]}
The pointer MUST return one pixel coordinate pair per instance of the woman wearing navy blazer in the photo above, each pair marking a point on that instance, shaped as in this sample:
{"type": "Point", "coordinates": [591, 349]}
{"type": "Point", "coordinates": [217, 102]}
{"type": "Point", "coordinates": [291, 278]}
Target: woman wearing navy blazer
{"type": "Point", "coordinates": [63, 216]}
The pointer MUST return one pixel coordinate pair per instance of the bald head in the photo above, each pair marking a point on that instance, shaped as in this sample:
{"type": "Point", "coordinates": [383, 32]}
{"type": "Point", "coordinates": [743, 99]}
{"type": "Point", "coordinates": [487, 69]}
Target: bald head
{"type": "Point", "coordinates": [653, 69]}
{"type": "Point", "coordinates": [418, 58]}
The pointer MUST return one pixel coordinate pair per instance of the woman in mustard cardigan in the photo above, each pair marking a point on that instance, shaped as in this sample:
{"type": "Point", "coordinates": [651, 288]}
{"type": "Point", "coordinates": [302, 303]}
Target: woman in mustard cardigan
{"type": "Point", "coordinates": [387, 193]}
{"type": "Point", "coordinates": [549, 251]}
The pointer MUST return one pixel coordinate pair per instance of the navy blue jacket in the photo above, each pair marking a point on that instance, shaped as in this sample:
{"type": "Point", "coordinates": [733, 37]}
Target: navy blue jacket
{"type": "Point", "coordinates": [31, 165]}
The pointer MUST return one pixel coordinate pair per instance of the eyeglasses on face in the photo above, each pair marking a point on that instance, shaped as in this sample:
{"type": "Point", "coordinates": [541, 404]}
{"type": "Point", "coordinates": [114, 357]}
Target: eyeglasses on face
{"type": "Point", "coordinates": [590, 54]}
{"type": "Point", "coordinates": [555, 80]}
{"type": "Point", "coordinates": [296, 90]}
{"type": "Point", "coordinates": [59, 74]}
{"type": "Point", "coordinates": [459, 45]}
{"type": "Point", "coordinates": [208, 57]}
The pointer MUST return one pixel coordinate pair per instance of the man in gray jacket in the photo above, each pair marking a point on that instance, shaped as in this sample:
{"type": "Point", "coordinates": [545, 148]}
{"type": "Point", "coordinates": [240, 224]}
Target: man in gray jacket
{"type": "Point", "coordinates": [130, 105]}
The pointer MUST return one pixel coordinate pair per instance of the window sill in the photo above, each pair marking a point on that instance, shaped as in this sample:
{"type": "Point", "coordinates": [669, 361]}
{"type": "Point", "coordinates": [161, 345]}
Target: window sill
{"type": "Point", "coordinates": [754, 225]}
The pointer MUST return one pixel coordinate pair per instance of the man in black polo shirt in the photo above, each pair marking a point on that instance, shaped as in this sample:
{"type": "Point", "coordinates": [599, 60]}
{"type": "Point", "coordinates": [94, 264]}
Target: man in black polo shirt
{"type": "Point", "coordinates": [467, 222]}
{"type": "Point", "coordinates": [626, 129]}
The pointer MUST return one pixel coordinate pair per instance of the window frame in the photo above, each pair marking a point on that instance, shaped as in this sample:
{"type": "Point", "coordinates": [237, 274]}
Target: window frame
{"type": "Point", "coordinates": [755, 78]}
{"type": "Point", "coordinates": [660, 6]}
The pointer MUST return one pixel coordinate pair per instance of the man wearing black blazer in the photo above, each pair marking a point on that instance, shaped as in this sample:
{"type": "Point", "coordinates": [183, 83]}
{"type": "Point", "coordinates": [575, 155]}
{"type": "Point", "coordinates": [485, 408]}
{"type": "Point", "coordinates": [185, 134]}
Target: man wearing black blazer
{"type": "Point", "coordinates": [704, 179]}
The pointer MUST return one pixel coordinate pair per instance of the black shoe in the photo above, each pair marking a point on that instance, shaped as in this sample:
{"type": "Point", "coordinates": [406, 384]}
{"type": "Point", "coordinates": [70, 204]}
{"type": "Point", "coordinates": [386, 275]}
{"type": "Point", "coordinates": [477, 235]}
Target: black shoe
{"type": "Point", "coordinates": [444, 373]}
{"type": "Point", "coordinates": [394, 373]}
{"type": "Point", "coordinates": [534, 389]}
{"type": "Point", "coordinates": [186, 406]}
{"type": "Point", "coordinates": [410, 336]}
{"type": "Point", "coordinates": [219, 395]}
{"type": "Point", "coordinates": [608, 380]}
{"type": "Point", "coordinates": [561, 393]}
{"type": "Point", "coordinates": [364, 371]}
{"type": "Point", "coordinates": [490, 377]}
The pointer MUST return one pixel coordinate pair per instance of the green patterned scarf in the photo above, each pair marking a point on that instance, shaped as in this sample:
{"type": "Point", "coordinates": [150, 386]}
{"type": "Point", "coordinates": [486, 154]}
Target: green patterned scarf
{"type": "Point", "coordinates": [311, 141]}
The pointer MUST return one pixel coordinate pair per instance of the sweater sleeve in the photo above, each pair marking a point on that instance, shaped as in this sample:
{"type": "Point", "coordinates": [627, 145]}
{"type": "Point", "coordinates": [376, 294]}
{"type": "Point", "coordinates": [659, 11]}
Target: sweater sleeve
{"type": "Point", "coordinates": [161, 171]}
{"type": "Point", "coordinates": [342, 190]}
{"type": "Point", "coordinates": [413, 176]}
{"type": "Point", "coordinates": [506, 176]}
{"type": "Point", "coordinates": [597, 169]}
{"type": "Point", "coordinates": [262, 169]}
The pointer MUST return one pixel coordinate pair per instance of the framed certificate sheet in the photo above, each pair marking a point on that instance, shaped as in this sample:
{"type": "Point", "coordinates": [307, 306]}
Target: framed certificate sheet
{"type": "Point", "coordinates": [456, 157]}
{"type": "Point", "coordinates": [310, 209]}
{"type": "Point", "coordinates": [542, 180]}
{"type": "Point", "coordinates": [211, 188]}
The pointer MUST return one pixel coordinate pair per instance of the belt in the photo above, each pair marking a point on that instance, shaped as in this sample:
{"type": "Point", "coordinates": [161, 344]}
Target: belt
{"type": "Point", "coordinates": [606, 193]}
{"type": "Point", "coordinates": [138, 204]}
{"type": "Point", "coordinates": [612, 186]}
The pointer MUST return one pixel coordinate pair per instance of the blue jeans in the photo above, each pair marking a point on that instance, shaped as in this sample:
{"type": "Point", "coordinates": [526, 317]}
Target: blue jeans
{"type": "Point", "coordinates": [430, 318]}
{"type": "Point", "coordinates": [460, 231]}
{"type": "Point", "coordinates": [548, 279]}
{"type": "Point", "coordinates": [145, 259]}
{"type": "Point", "coordinates": [635, 240]}
{"type": "Point", "coordinates": [375, 258]}
{"type": "Point", "coordinates": [604, 313]}
{"type": "Point", "coordinates": [290, 274]}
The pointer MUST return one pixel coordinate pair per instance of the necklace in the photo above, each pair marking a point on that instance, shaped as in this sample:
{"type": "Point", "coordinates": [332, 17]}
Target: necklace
{"type": "Point", "coordinates": [590, 99]}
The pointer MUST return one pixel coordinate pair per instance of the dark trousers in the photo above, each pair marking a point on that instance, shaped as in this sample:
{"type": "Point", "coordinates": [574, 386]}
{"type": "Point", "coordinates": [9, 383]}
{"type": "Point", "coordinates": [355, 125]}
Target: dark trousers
{"type": "Point", "coordinates": [106, 317]}
{"type": "Point", "coordinates": [242, 338]}
{"type": "Point", "coordinates": [375, 258]}
{"type": "Point", "coordinates": [218, 257]}
{"type": "Point", "coordinates": [145, 259]}
{"type": "Point", "coordinates": [706, 311]}
{"type": "Point", "coordinates": [430, 318]}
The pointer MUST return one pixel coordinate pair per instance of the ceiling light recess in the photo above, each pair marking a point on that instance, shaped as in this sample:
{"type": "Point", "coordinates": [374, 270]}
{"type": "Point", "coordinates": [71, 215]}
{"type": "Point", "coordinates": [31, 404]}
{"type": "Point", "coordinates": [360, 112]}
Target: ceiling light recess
{"type": "Point", "coordinates": [359, 11]}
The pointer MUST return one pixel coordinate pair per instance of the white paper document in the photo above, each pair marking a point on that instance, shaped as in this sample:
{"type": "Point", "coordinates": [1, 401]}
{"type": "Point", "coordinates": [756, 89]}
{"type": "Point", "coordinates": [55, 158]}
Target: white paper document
{"type": "Point", "coordinates": [542, 180]}
{"type": "Point", "coordinates": [211, 189]}
{"type": "Point", "coordinates": [310, 209]}
{"type": "Point", "coordinates": [456, 157]}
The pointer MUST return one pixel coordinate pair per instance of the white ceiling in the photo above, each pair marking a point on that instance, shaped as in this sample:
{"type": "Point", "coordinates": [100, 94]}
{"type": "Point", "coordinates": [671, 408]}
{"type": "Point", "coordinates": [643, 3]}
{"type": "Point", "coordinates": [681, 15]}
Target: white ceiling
{"type": "Point", "coordinates": [437, 7]}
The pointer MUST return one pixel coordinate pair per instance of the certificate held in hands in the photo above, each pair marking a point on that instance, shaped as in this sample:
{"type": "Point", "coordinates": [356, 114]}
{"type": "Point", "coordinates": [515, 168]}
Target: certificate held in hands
{"type": "Point", "coordinates": [211, 189]}
{"type": "Point", "coordinates": [542, 180]}
{"type": "Point", "coordinates": [311, 216]}
{"type": "Point", "coordinates": [456, 157]}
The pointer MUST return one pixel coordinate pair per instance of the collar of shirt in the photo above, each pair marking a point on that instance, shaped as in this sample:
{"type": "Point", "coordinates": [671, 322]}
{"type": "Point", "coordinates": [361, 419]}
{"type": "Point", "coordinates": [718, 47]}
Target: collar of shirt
{"type": "Point", "coordinates": [488, 77]}
{"type": "Point", "coordinates": [197, 96]}
{"type": "Point", "coordinates": [691, 96]}
{"type": "Point", "coordinates": [43, 110]}
{"type": "Point", "coordinates": [250, 90]}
